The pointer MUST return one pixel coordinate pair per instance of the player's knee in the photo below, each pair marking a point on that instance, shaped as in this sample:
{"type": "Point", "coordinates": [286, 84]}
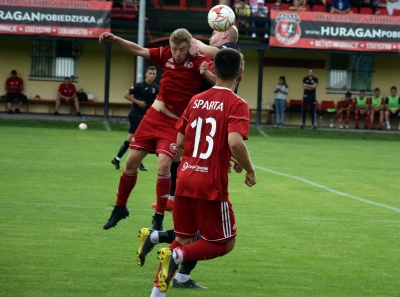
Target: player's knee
{"type": "Point", "coordinates": [131, 164]}
{"type": "Point", "coordinates": [164, 165]}
{"type": "Point", "coordinates": [230, 245]}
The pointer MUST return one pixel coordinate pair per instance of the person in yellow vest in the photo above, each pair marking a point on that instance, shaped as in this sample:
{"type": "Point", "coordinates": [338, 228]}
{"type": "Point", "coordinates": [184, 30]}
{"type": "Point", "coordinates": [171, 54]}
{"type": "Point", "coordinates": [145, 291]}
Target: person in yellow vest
{"type": "Point", "coordinates": [392, 106]}
{"type": "Point", "coordinates": [376, 108]}
{"type": "Point", "coordinates": [361, 108]}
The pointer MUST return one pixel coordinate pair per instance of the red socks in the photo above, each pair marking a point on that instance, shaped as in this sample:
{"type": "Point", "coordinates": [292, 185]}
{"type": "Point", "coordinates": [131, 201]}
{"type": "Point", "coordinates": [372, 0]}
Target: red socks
{"type": "Point", "coordinates": [162, 191]}
{"type": "Point", "coordinates": [203, 250]}
{"type": "Point", "coordinates": [355, 119]}
{"type": "Point", "coordinates": [347, 118]}
{"type": "Point", "coordinates": [126, 183]}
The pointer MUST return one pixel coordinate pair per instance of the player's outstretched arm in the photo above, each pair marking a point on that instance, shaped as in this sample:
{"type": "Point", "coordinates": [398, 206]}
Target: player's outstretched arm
{"type": "Point", "coordinates": [199, 47]}
{"type": "Point", "coordinates": [129, 46]}
{"type": "Point", "coordinates": [241, 154]}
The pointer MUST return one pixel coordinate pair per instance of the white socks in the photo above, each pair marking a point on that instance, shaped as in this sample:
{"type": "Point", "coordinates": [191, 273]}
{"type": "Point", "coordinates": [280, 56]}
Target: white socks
{"type": "Point", "coordinates": [182, 278]}
{"type": "Point", "coordinates": [156, 293]}
{"type": "Point", "coordinates": [154, 238]}
{"type": "Point", "coordinates": [118, 159]}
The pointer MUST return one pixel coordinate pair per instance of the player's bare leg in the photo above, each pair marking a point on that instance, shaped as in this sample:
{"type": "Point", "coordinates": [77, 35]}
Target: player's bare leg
{"type": "Point", "coordinates": [126, 184]}
{"type": "Point", "coordinates": [387, 115]}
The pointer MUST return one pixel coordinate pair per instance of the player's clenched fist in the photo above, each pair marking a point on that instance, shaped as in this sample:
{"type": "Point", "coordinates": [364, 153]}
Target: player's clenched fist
{"type": "Point", "coordinates": [106, 36]}
{"type": "Point", "coordinates": [251, 179]}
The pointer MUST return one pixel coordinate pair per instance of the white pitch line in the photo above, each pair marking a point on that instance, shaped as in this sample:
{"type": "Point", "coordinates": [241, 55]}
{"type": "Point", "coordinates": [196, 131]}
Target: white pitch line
{"type": "Point", "coordinates": [107, 126]}
{"type": "Point", "coordinates": [314, 184]}
{"type": "Point", "coordinates": [261, 131]}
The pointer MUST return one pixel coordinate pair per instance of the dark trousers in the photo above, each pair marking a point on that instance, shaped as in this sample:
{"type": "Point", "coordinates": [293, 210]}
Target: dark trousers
{"type": "Point", "coordinates": [308, 102]}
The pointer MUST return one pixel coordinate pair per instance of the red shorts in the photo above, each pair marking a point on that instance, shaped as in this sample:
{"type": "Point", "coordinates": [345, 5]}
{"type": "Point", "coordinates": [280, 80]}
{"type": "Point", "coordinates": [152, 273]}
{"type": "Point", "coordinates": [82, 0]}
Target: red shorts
{"type": "Point", "coordinates": [214, 219]}
{"type": "Point", "coordinates": [376, 111]}
{"type": "Point", "coordinates": [156, 133]}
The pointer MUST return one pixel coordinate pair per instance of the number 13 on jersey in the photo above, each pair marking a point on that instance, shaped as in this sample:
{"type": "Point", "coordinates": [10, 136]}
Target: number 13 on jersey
{"type": "Point", "coordinates": [198, 125]}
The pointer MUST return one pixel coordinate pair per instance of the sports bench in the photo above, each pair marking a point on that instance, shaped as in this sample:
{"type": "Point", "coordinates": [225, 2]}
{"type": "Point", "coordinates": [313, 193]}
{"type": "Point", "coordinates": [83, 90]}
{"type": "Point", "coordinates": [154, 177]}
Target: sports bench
{"type": "Point", "coordinates": [50, 104]}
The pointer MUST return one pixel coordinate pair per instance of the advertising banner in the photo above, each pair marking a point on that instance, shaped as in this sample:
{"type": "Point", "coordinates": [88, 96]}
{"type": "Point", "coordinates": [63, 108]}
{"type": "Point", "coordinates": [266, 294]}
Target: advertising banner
{"type": "Point", "coordinates": [347, 32]}
{"type": "Point", "coordinates": [80, 19]}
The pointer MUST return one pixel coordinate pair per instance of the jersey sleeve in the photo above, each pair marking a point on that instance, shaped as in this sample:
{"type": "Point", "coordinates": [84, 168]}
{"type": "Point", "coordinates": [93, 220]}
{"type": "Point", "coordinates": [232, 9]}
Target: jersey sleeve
{"type": "Point", "coordinates": [239, 119]}
{"type": "Point", "coordinates": [156, 55]}
{"type": "Point", "coordinates": [21, 82]}
{"type": "Point", "coordinates": [135, 89]}
{"type": "Point", "coordinates": [305, 80]}
{"type": "Point", "coordinates": [60, 88]}
{"type": "Point", "coordinates": [315, 80]}
{"type": "Point", "coordinates": [8, 82]}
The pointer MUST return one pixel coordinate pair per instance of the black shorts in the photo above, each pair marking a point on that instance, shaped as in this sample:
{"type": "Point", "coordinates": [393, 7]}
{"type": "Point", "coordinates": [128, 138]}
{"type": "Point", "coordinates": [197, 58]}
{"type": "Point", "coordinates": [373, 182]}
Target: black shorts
{"type": "Point", "coordinates": [134, 121]}
{"type": "Point", "coordinates": [19, 96]}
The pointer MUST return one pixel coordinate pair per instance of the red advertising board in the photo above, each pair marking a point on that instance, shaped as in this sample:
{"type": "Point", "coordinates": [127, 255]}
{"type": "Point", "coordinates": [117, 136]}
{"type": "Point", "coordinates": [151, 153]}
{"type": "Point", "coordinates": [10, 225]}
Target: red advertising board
{"type": "Point", "coordinates": [348, 32]}
{"type": "Point", "coordinates": [78, 19]}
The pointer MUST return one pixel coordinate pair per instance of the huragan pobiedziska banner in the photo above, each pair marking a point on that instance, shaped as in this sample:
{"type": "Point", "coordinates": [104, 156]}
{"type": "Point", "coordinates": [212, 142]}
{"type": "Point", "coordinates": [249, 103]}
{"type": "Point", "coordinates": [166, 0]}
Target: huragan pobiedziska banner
{"type": "Point", "coordinates": [352, 32]}
{"type": "Point", "coordinates": [82, 19]}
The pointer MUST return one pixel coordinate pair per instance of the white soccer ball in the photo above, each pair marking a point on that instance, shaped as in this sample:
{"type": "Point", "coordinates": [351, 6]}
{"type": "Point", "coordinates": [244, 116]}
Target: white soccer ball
{"type": "Point", "coordinates": [82, 126]}
{"type": "Point", "coordinates": [221, 18]}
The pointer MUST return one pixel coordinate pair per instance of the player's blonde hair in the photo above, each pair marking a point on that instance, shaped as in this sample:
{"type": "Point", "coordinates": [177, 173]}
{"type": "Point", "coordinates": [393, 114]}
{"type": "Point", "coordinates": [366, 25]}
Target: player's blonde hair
{"type": "Point", "coordinates": [179, 36]}
{"type": "Point", "coordinates": [233, 34]}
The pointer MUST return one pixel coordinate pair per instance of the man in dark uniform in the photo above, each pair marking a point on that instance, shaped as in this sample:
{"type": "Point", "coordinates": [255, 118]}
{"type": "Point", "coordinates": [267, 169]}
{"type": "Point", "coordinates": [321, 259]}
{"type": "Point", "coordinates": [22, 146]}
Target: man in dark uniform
{"type": "Point", "coordinates": [310, 83]}
{"type": "Point", "coordinates": [142, 95]}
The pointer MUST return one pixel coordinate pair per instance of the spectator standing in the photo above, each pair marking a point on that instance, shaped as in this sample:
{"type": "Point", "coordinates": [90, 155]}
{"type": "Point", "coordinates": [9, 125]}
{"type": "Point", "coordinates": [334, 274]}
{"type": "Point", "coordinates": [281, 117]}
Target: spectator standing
{"type": "Point", "coordinates": [341, 6]}
{"type": "Point", "coordinates": [67, 92]}
{"type": "Point", "coordinates": [14, 86]}
{"type": "Point", "coordinates": [310, 84]}
{"type": "Point", "coordinates": [281, 90]}
{"type": "Point", "coordinates": [297, 6]}
{"type": "Point", "coordinates": [260, 11]}
{"type": "Point", "coordinates": [392, 5]}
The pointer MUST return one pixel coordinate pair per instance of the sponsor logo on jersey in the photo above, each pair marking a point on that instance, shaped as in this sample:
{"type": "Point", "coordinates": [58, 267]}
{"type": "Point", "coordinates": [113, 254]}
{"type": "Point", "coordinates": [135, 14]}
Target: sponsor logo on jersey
{"type": "Point", "coordinates": [234, 227]}
{"type": "Point", "coordinates": [173, 147]}
{"type": "Point", "coordinates": [188, 65]}
{"type": "Point", "coordinates": [209, 105]}
{"type": "Point", "coordinates": [153, 90]}
{"type": "Point", "coordinates": [170, 65]}
{"type": "Point", "coordinates": [197, 168]}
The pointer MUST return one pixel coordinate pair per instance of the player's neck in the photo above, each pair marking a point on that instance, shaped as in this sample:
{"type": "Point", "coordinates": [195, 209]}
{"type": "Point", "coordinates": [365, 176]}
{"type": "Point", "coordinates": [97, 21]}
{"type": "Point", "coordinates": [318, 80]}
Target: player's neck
{"type": "Point", "coordinates": [229, 84]}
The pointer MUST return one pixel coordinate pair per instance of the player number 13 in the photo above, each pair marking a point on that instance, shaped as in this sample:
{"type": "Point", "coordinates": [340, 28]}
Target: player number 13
{"type": "Point", "coordinates": [198, 124]}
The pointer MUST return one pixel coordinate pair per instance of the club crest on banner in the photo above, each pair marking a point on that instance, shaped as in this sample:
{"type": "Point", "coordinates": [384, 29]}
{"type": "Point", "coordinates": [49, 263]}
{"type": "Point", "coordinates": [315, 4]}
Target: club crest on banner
{"type": "Point", "coordinates": [287, 29]}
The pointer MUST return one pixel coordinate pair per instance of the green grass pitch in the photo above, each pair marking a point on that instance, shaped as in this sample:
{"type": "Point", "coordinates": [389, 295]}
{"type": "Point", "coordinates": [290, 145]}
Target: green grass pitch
{"type": "Point", "coordinates": [323, 220]}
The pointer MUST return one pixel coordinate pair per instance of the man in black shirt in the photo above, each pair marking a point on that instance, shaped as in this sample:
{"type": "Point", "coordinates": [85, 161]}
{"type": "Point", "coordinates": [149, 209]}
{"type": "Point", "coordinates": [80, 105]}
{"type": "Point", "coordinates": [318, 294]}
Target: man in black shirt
{"type": "Point", "coordinates": [310, 83]}
{"type": "Point", "coordinates": [142, 95]}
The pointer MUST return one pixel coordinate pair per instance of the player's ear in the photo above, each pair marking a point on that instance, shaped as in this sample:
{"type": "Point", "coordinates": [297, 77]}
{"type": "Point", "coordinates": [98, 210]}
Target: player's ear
{"type": "Point", "coordinates": [212, 69]}
{"type": "Point", "coordinates": [240, 72]}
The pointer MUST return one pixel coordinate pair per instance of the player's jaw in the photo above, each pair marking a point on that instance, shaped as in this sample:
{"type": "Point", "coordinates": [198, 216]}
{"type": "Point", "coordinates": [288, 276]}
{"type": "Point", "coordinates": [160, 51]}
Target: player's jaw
{"type": "Point", "coordinates": [180, 52]}
{"type": "Point", "coordinates": [216, 38]}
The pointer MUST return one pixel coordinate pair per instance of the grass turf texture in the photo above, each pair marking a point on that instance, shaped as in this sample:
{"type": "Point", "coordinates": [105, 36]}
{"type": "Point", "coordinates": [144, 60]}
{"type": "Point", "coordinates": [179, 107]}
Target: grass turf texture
{"type": "Point", "coordinates": [294, 239]}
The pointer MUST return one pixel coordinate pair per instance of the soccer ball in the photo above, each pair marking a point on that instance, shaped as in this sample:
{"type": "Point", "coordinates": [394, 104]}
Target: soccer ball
{"type": "Point", "coordinates": [82, 126]}
{"type": "Point", "coordinates": [221, 18]}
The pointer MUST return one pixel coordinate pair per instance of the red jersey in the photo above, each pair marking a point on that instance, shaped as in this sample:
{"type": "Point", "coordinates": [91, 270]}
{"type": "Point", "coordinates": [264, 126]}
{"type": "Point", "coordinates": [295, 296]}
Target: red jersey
{"type": "Point", "coordinates": [179, 81]}
{"type": "Point", "coordinates": [67, 91]}
{"type": "Point", "coordinates": [344, 102]}
{"type": "Point", "coordinates": [206, 123]}
{"type": "Point", "coordinates": [14, 81]}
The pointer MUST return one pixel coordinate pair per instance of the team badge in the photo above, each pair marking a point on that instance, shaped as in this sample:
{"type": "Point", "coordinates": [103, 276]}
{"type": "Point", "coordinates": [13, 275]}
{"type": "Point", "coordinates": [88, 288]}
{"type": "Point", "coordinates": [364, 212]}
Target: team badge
{"type": "Point", "coordinates": [173, 147]}
{"type": "Point", "coordinates": [287, 30]}
{"type": "Point", "coordinates": [188, 65]}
